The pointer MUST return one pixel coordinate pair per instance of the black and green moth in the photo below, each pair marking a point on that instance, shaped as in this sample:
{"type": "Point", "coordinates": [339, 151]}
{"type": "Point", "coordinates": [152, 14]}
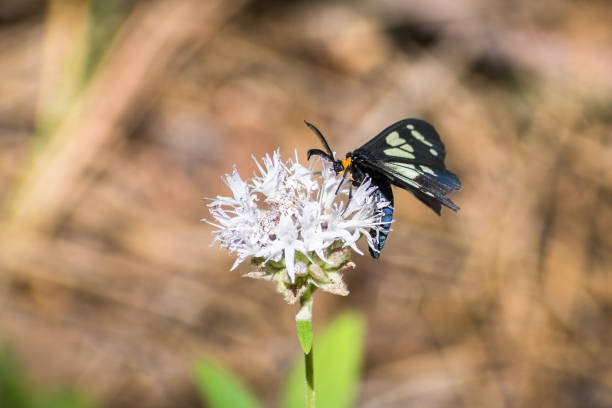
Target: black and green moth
{"type": "Point", "coordinates": [408, 154]}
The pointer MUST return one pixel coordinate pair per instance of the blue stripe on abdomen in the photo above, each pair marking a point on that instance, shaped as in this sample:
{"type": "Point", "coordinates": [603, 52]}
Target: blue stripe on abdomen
{"type": "Point", "coordinates": [385, 215]}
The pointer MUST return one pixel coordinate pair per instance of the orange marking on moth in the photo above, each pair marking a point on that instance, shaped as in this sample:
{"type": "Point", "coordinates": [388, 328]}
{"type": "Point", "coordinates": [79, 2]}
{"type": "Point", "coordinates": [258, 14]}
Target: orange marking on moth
{"type": "Point", "coordinates": [346, 162]}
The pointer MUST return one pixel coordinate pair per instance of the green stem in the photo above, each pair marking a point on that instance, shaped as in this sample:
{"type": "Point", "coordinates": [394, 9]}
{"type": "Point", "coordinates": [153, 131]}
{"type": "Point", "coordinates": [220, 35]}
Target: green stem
{"type": "Point", "coordinates": [309, 384]}
{"type": "Point", "coordinates": [305, 333]}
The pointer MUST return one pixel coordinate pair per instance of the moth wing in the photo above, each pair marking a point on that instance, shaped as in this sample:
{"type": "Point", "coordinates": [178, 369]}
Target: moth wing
{"type": "Point", "coordinates": [430, 185]}
{"type": "Point", "coordinates": [410, 139]}
{"type": "Point", "coordinates": [411, 155]}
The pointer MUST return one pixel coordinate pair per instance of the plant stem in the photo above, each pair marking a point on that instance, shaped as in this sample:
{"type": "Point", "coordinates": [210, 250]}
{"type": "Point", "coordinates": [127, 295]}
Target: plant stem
{"type": "Point", "coordinates": [305, 334]}
{"type": "Point", "coordinates": [310, 394]}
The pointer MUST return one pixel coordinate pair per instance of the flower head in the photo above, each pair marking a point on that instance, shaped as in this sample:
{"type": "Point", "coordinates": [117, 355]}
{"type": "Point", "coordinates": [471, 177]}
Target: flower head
{"type": "Point", "coordinates": [293, 225]}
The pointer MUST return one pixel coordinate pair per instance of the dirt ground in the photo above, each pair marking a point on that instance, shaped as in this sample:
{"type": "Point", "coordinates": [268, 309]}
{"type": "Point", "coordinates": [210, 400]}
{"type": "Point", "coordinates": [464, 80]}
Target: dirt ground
{"type": "Point", "coordinates": [118, 117]}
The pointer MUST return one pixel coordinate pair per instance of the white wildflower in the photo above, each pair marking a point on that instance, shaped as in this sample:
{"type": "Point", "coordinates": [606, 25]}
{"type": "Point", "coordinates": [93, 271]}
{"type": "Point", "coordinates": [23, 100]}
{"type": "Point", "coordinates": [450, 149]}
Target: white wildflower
{"type": "Point", "coordinates": [292, 224]}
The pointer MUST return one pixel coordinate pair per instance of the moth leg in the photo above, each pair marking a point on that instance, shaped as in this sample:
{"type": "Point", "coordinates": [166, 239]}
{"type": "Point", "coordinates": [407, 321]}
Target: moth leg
{"type": "Point", "coordinates": [341, 182]}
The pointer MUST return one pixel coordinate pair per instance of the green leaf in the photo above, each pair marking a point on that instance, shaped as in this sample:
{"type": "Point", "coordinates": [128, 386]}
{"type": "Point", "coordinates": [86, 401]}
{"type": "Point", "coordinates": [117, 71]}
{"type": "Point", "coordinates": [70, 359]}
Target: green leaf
{"type": "Point", "coordinates": [16, 391]}
{"type": "Point", "coordinates": [338, 355]}
{"type": "Point", "coordinates": [303, 322]}
{"type": "Point", "coordinates": [62, 399]}
{"type": "Point", "coordinates": [304, 332]}
{"type": "Point", "coordinates": [220, 388]}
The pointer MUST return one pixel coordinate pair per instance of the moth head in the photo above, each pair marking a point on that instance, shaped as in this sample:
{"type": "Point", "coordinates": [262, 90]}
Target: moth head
{"type": "Point", "coordinates": [339, 166]}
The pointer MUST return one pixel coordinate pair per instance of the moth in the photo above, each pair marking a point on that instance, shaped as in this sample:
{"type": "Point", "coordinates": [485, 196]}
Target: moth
{"type": "Point", "coordinates": [408, 154]}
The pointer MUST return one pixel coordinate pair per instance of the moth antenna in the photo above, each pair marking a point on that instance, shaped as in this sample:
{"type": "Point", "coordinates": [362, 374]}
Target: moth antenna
{"type": "Point", "coordinates": [319, 152]}
{"type": "Point", "coordinates": [320, 135]}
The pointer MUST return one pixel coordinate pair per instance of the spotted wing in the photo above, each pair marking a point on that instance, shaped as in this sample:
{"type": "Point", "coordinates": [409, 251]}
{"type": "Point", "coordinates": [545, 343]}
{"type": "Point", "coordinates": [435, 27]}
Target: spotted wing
{"type": "Point", "coordinates": [411, 155]}
{"type": "Point", "coordinates": [412, 139]}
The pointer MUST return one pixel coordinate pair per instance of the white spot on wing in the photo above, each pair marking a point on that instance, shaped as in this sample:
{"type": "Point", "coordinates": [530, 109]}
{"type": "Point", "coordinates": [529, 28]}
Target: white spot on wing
{"type": "Point", "coordinates": [410, 127]}
{"type": "Point", "coordinates": [407, 147]}
{"type": "Point", "coordinates": [418, 136]}
{"type": "Point", "coordinates": [428, 170]}
{"type": "Point", "coordinates": [404, 170]}
{"type": "Point", "coordinates": [398, 153]}
{"type": "Point", "coordinates": [394, 139]}
{"type": "Point", "coordinates": [433, 152]}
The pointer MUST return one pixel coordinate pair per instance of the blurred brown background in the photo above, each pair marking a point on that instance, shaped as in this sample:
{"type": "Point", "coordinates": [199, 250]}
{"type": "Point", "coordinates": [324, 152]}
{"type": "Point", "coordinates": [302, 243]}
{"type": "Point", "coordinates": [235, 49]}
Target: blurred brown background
{"type": "Point", "coordinates": [117, 117]}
